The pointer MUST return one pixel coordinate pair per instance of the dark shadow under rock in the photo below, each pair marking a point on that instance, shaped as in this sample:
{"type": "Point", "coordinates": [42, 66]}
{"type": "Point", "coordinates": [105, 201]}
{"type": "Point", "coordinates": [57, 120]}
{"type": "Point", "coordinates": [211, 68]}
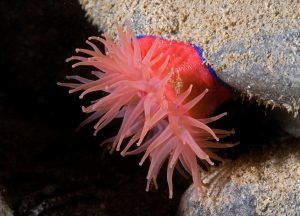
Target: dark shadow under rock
{"type": "Point", "coordinates": [46, 167]}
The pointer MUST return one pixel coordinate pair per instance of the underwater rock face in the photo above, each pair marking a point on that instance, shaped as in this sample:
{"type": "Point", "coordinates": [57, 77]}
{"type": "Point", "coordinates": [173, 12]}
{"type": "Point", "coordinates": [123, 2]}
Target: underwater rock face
{"type": "Point", "coordinates": [4, 209]}
{"type": "Point", "coordinates": [268, 64]}
{"type": "Point", "coordinates": [265, 182]}
{"type": "Point", "coordinates": [254, 45]}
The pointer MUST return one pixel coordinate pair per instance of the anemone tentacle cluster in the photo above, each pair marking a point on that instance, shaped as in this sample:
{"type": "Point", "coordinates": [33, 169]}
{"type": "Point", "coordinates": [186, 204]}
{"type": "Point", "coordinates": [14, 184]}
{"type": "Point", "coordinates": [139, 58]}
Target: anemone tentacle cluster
{"type": "Point", "coordinates": [156, 115]}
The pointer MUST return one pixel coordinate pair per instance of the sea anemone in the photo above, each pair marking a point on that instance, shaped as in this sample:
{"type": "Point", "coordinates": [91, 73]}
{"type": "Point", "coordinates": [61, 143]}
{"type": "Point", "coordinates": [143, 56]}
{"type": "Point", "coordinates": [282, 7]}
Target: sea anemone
{"type": "Point", "coordinates": [164, 94]}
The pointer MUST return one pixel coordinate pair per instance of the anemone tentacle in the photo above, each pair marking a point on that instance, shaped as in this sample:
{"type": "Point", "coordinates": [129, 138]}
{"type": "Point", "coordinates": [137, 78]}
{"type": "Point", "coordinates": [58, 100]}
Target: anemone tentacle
{"type": "Point", "coordinates": [156, 120]}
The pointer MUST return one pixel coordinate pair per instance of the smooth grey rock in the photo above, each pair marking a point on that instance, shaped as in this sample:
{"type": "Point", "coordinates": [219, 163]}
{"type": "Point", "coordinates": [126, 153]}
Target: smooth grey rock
{"type": "Point", "coordinates": [4, 209]}
{"type": "Point", "coordinates": [265, 182]}
{"type": "Point", "coordinates": [253, 45]}
{"type": "Point", "coordinates": [266, 66]}
{"type": "Point", "coordinates": [237, 206]}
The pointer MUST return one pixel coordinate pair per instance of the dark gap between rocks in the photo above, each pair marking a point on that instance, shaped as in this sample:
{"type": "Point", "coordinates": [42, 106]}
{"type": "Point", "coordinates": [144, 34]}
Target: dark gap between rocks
{"type": "Point", "coordinates": [47, 168]}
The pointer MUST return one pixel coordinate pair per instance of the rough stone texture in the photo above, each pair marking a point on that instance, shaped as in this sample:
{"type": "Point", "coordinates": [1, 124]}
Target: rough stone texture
{"type": "Point", "coordinates": [4, 209]}
{"type": "Point", "coordinates": [264, 182]}
{"type": "Point", "coordinates": [46, 168]}
{"type": "Point", "coordinates": [253, 44]}
{"type": "Point", "coordinates": [267, 63]}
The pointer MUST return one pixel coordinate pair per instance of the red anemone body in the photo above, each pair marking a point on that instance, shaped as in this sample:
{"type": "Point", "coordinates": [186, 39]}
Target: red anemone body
{"type": "Point", "coordinates": [165, 95]}
{"type": "Point", "coordinates": [187, 62]}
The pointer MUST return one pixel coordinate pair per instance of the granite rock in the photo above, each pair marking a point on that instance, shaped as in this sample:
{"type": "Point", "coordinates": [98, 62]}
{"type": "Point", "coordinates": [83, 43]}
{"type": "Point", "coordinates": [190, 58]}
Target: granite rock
{"type": "Point", "coordinates": [253, 45]}
{"type": "Point", "coordinates": [264, 182]}
{"type": "Point", "coordinates": [4, 209]}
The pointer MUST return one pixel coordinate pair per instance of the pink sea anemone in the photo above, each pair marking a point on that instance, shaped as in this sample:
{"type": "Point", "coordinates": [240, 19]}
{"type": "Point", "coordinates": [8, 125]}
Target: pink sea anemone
{"type": "Point", "coordinates": [164, 94]}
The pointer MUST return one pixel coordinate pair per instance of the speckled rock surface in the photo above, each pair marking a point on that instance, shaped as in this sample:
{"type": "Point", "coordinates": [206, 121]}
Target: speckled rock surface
{"type": "Point", "coordinates": [268, 63]}
{"type": "Point", "coordinates": [254, 45]}
{"type": "Point", "coordinates": [46, 168]}
{"type": "Point", "coordinates": [264, 182]}
{"type": "Point", "coordinates": [4, 209]}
